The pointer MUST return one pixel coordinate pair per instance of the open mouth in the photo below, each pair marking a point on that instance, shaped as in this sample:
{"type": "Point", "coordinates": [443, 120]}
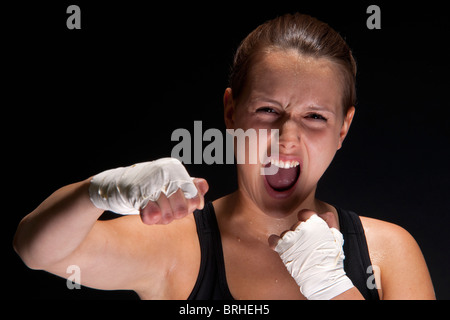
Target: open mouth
{"type": "Point", "coordinates": [286, 177]}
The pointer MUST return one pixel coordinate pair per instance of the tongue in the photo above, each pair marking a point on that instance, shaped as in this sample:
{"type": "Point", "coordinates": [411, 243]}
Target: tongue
{"type": "Point", "coordinates": [284, 179]}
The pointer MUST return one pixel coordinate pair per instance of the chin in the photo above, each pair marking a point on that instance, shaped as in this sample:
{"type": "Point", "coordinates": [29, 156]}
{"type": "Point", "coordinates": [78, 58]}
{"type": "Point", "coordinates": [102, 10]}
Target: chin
{"type": "Point", "coordinates": [283, 203]}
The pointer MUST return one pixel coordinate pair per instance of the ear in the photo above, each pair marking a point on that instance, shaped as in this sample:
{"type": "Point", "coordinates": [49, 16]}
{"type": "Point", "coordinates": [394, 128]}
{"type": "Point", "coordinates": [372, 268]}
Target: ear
{"type": "Point", "coordinates": [346, 125]}
{"type": "Point", "coordinates": [229, 107]}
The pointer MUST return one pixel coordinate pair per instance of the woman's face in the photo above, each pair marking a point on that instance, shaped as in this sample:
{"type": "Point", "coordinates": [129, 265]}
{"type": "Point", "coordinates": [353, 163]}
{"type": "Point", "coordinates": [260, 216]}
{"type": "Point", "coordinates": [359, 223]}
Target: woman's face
{"type": "Point", "coordinates": [301, 97]}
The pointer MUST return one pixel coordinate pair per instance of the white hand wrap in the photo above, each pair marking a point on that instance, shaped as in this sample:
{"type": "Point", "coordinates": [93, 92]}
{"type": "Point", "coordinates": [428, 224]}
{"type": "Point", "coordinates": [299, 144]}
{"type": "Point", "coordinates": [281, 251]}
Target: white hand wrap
{"type": "Point", "coordinates": [126, 190]}
{"type": "Point", "coordinates": [314, 257]}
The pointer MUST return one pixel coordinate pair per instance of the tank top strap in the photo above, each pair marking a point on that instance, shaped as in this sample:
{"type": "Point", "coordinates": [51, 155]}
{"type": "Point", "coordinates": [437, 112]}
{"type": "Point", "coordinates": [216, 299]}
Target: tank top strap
{"type": "Point", "coordinates": [357, 262]}
{"type": "Point", "coordinates": [211, 282]}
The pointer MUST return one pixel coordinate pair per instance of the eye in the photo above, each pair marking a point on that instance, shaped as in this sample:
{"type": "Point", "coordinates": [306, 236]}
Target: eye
{"type": "Point", "coordinates": [316, 116]}
{"type": "Point", "coordinates": [266, 110]}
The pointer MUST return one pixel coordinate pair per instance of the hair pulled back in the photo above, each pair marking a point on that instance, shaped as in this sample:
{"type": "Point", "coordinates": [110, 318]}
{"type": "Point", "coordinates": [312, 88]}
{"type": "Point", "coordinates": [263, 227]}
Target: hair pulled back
{"type": "Point", "coordinates": [307, 35]}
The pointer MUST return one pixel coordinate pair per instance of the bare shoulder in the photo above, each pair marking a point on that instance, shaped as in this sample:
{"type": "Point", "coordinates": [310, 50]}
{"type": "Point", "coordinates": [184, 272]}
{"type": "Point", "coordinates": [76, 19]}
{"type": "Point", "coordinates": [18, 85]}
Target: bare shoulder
{"type": "Point", "coordinates": [402, 268]}
{"type": "Point", "coordinates": [383, 235]}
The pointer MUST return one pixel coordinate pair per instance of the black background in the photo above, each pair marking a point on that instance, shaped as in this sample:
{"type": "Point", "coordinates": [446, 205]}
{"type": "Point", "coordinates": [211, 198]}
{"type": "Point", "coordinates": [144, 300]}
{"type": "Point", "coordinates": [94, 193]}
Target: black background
{"type": "Point", "coordinates": [77, 102]}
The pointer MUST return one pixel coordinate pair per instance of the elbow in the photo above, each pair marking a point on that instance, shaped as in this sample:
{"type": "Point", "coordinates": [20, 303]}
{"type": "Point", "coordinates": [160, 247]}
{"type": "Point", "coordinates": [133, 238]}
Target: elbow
{"type": "Point", "coordinates": [26, 257]}
{"type": "Point", "coordinates": [22, 248]}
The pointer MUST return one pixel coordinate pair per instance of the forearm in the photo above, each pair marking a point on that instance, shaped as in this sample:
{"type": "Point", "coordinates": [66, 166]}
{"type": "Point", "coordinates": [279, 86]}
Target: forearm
{"type": "Point", "coordinates": [57, 226]}
{"type": "Point", "coordinates": [351, 294]}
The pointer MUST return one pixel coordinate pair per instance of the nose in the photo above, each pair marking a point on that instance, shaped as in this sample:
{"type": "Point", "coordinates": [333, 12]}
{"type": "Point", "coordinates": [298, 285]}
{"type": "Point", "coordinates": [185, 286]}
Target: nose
{"type": "Point", "coordinates": [289, 135]}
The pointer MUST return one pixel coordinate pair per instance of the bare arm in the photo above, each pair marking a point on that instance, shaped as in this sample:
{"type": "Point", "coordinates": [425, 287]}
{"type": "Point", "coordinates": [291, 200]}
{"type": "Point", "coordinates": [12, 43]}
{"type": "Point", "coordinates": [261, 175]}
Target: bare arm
{"type": "Point", "coordinates": [116, 254]}
{"type": "Point", "coordinates": [402, 268]}
{"type": "Point", "coordinates": [63, 231]}
{"type": "Point", "coordinates": [124, 253]}
{"type": "Point", "coordinates": [56, 227]}
{"type": "Point", "coordinates": [351, 294]}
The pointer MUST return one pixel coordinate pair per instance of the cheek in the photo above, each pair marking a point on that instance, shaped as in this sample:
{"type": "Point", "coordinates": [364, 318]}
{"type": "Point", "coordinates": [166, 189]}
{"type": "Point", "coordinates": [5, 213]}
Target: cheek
{"type": "Point", "coordinates": [324, 139]}
{"type": "Point", "coordinates": [249, 180]}
{"type": "Point", "coordinates": [321, 148]}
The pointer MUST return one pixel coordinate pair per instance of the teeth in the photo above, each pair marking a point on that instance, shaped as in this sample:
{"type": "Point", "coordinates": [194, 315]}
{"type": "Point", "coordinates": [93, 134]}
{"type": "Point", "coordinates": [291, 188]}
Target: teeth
{"type": "Point", "coordinates": [284, 164]}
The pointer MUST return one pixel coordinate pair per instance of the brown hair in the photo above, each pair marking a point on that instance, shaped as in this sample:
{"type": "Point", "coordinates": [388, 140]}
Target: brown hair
{"type": "Point", "coordinates": [303, 33]}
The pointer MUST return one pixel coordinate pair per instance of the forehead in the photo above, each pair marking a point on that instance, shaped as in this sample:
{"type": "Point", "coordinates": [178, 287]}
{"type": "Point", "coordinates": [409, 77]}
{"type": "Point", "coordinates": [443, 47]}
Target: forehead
{"type": "Point", "coordinates": [292, 78]}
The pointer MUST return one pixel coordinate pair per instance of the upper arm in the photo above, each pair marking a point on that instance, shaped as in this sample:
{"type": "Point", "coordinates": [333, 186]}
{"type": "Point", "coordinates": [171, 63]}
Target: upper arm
{"type": "Point", "coordinates": [119, 254]}
{"type": "Point", "coordinates": [402, 267]}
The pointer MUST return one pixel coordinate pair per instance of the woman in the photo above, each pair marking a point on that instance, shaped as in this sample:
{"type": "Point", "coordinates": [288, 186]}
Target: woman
{"type": "Point", "coordinates": [270, 239]}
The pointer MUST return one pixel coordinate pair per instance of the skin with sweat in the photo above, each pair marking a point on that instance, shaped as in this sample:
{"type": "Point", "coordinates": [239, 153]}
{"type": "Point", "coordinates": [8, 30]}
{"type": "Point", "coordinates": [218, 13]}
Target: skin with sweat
{"type": "Point", "coordinates": [157, 254]}
{"type": "Point", "coordinates": [301, 98]}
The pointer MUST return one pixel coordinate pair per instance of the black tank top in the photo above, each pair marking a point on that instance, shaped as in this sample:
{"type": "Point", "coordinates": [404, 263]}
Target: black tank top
{"type": "Point", "coordinates": [212, 283]}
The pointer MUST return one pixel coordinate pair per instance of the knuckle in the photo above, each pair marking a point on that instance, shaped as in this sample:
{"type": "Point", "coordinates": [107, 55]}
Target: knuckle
{"type": "Point", "coordinates": [295, 226]}
{"type": "Point", "coordinates": [305, 214]}
{"type": "Point", "coordinates": [151, 207]}
{"type": "Point", "coordinates": [150, 217]}
{"type": "Point", "coordinates": [284, 233]}
{"type": "Point", "coordinates": [180, 211]}
{"type": "Point", "coordinates": [166, 219]}
{"type": "Point", "coordinates": [194, 203]}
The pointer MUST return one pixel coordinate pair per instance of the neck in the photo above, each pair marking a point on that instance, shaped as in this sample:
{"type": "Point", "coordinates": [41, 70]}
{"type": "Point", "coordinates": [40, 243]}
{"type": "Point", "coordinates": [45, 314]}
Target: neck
{"type": "Point", "coordinates": [246, 219]}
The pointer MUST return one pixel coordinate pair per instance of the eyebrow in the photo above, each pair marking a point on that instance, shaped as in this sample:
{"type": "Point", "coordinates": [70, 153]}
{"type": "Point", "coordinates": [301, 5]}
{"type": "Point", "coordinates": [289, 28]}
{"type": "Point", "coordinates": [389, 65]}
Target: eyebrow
{"type": "Point", "coordinates": [312, 107]}
{"type": "Point", "coordinates": [319, 108]}
{"type": "Point", "coordinates": [265, 99]}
